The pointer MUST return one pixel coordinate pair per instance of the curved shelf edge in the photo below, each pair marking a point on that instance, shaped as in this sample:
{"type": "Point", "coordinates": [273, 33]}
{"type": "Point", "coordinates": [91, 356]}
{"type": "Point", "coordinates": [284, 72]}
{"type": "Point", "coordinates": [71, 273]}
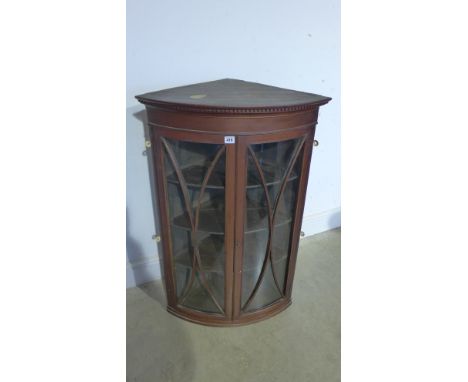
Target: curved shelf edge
{"type": "Point", "coordinates": [196, 172]}
{"type": "Point", "coordinates": [196, 185]}
{"type": "Point", "coordinates": [220, 269]}
{"type": "Point", "coordinates": [215, 187]}
{"type": "Point", "coordinates": [248, 232]}
{"type": "Point", "coordinates": [203, 228]}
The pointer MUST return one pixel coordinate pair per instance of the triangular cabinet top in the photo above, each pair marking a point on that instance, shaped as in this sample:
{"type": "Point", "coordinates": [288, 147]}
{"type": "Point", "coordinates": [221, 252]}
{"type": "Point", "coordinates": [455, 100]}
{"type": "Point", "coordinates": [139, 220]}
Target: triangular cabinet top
{"type": "Point", "coordinates": [231, 96]}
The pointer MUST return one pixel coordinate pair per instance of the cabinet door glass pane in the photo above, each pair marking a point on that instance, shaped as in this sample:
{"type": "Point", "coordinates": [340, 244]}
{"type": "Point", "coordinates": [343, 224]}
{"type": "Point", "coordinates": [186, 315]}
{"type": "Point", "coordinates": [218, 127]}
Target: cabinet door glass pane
{"type": "Point", "coordinates": [195, 179]}
{"type": "Point", "coordinates": [272, 185]}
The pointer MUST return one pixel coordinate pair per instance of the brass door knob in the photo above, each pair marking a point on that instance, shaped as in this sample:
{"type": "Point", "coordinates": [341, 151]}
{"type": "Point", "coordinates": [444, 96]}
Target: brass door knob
{"type": "Point", "coordinates": [316, 143]}
{"type": "Point", "coordinates": [148, 144]}
{"type": "Point", "coordinates": [157, 238]}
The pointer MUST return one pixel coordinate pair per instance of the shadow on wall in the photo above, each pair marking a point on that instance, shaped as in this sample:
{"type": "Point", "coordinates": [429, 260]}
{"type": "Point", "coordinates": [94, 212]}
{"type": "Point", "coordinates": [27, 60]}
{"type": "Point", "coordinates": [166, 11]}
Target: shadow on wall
{"type": "Point", "coordinates": [141, 116]}
{"type": "Point", "coordinates": [135, 252]}
{"type": "Point", "coordinates": [151, 330]}
{"type": "Point", "coordinates": [143, 278]}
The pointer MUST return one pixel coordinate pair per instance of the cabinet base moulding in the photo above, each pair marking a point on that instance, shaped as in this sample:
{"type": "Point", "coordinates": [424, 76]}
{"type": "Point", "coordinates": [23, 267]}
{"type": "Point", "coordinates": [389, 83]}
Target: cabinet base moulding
{"type": "Point", "coordinates": [246, 320]}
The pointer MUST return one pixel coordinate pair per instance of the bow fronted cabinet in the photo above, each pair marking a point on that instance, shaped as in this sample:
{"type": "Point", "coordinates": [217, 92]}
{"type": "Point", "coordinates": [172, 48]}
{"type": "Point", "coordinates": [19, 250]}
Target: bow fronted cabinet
{"type": "Point", "coordinates": [231, 162]}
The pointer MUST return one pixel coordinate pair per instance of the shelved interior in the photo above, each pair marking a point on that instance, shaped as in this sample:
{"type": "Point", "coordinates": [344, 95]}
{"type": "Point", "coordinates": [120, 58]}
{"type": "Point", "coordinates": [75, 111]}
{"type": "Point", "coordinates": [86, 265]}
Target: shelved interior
{"type": "Point", "coordinates": [264, 284]}
{"type": "Point", "coordinates": [195, 185]}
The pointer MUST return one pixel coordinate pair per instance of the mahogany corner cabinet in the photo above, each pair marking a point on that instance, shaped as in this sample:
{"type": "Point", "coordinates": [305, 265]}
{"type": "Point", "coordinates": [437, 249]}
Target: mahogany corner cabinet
{"type": "Point", "coordinates": [231, 162]}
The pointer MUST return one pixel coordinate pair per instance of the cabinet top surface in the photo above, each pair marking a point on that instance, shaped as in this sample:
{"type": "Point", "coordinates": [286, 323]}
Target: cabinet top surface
{"type": "Point", "coordinates": [232, 96]}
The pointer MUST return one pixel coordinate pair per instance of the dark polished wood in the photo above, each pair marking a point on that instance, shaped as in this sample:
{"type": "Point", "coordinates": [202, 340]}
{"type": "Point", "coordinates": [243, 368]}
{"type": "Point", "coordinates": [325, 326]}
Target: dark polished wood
{"type": "Point", "coordinates": [231, 96]}
{"type": "Point", "coordinates": [255, 115]}
{"type": "Point", "coordinates": [241, 124]}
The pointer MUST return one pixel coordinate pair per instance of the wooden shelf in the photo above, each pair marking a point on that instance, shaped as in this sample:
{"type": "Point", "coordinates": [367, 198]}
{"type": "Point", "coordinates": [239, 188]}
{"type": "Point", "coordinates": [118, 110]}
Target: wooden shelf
{"type": "Point", "coordinates": [212, 256]}
{"type": "Point", "coordinates": [212, 221]}
{"type": "Point", "coordinates": [211, 253]}
{"type": "Point", "coordinates": [193, 176]}
{"type": "Point", "coordinates": [270, 172]}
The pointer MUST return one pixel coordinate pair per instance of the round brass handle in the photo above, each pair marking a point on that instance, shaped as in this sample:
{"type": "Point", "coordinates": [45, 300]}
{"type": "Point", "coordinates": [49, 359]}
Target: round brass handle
{"type": "Point", "coordinates": [148, 144]}
{"type": "Point", "coordinates": [157, 238]}
{"type": "Point", "coordinates": [316, 143]}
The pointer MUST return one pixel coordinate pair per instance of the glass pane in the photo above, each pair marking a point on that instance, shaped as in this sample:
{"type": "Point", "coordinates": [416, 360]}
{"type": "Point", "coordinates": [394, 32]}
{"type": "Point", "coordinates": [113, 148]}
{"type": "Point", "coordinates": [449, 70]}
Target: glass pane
{"type": "Point", "coordinates": [195, 175]}
{"type": "Point", "coordinates": [272, 186]}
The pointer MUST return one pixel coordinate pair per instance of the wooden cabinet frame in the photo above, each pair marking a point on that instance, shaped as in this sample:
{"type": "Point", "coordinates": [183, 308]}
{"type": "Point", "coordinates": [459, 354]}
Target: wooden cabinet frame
{"type": "Point", "coordinates": [200, 124]}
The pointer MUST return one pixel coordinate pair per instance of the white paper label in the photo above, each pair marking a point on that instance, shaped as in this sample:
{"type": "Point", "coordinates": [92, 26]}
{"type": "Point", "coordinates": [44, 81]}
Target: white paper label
{"type": "Point", "coordinates": [229, 139]}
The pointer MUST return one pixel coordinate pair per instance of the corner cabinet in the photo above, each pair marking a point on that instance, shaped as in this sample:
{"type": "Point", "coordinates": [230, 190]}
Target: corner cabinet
{"type": "Point", "coordinates": [231, 162]}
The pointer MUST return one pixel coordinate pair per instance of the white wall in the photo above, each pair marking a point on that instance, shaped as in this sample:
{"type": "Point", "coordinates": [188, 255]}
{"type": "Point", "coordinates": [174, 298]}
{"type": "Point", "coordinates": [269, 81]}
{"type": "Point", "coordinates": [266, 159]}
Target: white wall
{"type": "Point", "coordinates": [293, 44]}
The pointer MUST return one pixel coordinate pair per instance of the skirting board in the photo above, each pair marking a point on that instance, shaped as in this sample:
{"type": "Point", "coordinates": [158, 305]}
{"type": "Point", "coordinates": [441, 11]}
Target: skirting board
{"type": "Point", "coordinates": [321, 222]}
{"type": "Point", "coordinates": [149, 269]}
{"type": "Point", "coordinates": [143, 272]}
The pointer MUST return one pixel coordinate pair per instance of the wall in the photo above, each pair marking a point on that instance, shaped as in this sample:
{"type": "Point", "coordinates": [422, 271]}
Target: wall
{"type": "Point", "coordinates": [293, 44]}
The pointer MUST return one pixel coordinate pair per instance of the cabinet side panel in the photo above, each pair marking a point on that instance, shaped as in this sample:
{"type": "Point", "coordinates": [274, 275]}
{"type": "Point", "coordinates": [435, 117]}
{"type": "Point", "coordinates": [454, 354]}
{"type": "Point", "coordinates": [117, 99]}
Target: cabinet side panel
{"type": "Point", "coordinates": [163, 216]}
{"type": "Point", "coordinates": [296, 230]}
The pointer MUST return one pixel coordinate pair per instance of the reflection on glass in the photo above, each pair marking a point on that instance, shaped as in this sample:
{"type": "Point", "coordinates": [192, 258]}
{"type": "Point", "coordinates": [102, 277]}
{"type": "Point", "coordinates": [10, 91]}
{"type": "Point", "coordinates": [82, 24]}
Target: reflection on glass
{"type": "Point", "coordinates": [195, 178]}
{"type": "Point", "coordinates": [272, 186]}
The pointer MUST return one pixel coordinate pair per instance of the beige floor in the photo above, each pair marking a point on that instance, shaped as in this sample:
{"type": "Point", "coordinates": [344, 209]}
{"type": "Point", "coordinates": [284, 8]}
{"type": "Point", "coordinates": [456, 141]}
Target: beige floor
{"type": "Point", "coordinates": [300, 344]}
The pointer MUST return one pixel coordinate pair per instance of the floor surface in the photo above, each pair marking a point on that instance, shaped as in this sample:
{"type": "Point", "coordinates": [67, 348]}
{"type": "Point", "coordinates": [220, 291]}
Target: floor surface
{"type": "Point", "coordinates": [300, 344]}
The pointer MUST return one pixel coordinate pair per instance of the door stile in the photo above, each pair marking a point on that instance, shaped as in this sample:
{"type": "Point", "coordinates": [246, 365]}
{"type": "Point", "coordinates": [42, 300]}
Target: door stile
{"type": "Point", "coordinates": [240, 189]}
{"type": "Point", "coordinates": [229, 228]}
{"type": "Point", "coordinates": [299, 210]}
{"type": "Point", "coordinates": [160, 176]}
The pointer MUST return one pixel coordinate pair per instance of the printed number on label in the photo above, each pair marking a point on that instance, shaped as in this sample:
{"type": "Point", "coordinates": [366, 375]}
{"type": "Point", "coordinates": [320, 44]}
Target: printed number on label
{"type": "Point", "coordinates": [229, 139]}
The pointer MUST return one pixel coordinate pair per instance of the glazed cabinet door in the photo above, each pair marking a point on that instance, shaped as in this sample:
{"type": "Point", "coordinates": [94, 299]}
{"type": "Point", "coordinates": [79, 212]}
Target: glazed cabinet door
{"type": "Point", "coordinates": [273, 176]}
{"type": "Point", "coordinates": [194, 176]}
